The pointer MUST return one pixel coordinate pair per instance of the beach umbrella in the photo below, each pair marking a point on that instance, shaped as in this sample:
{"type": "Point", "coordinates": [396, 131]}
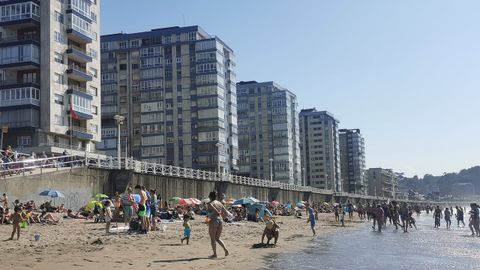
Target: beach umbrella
{"type": "Point", "coordinates": [206, 200]}
{"type": "Point", "coordinates": [248, 200]}
{"type": "Point", "coordinates": [52, 193]}
{"type": "Point", "coordinates": [274, 203]}
{"type": "Point", "coordinates": [184, 202]}
{"type": "Point", "coordinates": [174, 200]}
{"type": "Point", "coordinates": [300, 204]}
{"type": "Point", "coordinates": [195, 201]}
{"type": "Point", "coordinates": [101, 196]}
{"type": "Point", "coordinates": [91, 205]}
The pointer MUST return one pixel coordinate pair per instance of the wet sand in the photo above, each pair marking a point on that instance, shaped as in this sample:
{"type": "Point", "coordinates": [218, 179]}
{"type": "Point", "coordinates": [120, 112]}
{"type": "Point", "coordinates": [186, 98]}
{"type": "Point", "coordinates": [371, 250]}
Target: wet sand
{"type": "Point", "coordinates": [80, 244]}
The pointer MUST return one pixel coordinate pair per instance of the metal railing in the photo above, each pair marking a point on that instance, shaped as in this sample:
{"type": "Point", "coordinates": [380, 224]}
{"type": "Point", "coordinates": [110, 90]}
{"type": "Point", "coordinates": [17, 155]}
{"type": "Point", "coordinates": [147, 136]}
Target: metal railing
{"type": "Point", "coordinates": [89, 159]}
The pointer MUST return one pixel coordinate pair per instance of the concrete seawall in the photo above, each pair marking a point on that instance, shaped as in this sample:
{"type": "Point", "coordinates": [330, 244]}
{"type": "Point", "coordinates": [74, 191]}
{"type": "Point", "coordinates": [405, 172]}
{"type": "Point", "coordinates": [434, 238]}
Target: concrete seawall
{"type": "Point", "coordinates": [80, 184]}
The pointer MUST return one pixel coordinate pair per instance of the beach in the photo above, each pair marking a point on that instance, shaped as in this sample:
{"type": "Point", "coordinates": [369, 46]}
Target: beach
{"type": "Point", "coordinates": [81, 244]}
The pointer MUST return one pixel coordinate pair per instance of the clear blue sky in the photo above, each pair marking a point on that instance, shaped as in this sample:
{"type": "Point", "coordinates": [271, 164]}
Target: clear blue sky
{"type": "Point", "coordinates": [407, 73]}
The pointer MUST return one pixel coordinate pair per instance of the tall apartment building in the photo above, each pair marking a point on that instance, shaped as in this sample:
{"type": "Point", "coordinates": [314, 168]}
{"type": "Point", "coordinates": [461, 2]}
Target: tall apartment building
{"type": "Point", "coordinates": [382, 182]}
{"type": "Point", "coordinates": [352, 161]}
{"type": "Point", "coordinates": [319, 144]}
{"type": "Point", "coordinates": [268, 132]}
{"type": "Point", "coordinates": [176, 89]}
{"type": "Point", "coordinates": [48, 59]}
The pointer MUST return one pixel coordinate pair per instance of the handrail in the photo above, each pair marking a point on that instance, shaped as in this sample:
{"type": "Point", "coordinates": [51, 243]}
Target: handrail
{"type": "Point", "coordinates": [107, 162]}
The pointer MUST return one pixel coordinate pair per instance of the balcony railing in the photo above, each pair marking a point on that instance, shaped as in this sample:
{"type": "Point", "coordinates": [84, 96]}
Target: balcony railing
{"type": "Point", "coordinates": [18, 17]}
{"type": "Point", "coordinates": [17, 82]}
{"type": "Point", "coordinates": [19, 38]}
{"type": "Point", "coordinates": [21, 124]}
{"type": "Point", "coordinates": [17, 102]}
{"type": "Point", "coordinates": [19, 59]}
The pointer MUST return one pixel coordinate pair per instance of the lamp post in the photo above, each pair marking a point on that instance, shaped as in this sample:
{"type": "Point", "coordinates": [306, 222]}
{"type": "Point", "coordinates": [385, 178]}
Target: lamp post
{"type": "Point", "coordinates": [119, 120]}
{"type": "Point", "coordinates": [271, 170]}
{"type": "Point", "coordinates": [218, 145]}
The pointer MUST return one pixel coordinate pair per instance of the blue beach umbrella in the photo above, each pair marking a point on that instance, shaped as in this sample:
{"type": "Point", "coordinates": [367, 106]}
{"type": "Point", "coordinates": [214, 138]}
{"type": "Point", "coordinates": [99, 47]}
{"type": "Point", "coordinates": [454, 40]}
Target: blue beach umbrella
{"type": "Point", "coordinates": [247, 200]}
{"type": "Point", "coordinates": [52, 193]}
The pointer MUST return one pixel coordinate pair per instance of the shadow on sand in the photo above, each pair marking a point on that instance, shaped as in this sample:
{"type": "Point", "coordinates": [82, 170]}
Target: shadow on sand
{"type": "Point", "coordinates": [183, 260]}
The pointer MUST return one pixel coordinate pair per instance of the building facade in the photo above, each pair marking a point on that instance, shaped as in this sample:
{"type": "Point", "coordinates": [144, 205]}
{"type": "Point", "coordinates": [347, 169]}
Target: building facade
{"type": "Point", "coordinates": [50, 74]}
{"type": "Point", "coordinates": [352, 161]}
{"type": "Point", "coordinates": [176, 88]}
{"type": "Point", "coordinates": [382, 182]}
{"type": "Point", "coordinates": [268, 132]}
{"type": "Point", "coordinates": [319, 144]}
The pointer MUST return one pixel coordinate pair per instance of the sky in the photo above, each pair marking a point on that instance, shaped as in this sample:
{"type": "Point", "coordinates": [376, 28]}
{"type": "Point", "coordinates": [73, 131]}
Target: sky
{"type": "Point", "coordinates": [406, 73]}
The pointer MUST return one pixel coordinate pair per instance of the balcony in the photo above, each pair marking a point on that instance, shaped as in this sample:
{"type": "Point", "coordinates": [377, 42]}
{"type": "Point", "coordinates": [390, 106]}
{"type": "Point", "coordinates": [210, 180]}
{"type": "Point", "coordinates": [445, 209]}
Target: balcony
{"type": "Point", "coordinates": [21, 96]}
{"type": "Point", "coordinates": [77, 54]}
{"type": "Point", "coordinates": [83, 112]}
{"type": "Point", "coordinates": [80, 132]}
{"type": "Point", "coordinates": [79, 74]}
{"type": "Point", "coordinates": [6, 84]}
{"type": "Point", "coordinates": [21, 125]}
{"type": "Point", "coordinates": [20, 13]}
{"type": "Point", "coordinates": [20, 57]}
{"type": "Point", "coordinates": [21, 40]}
{"type": "Point", "coordinates": [78, 34]}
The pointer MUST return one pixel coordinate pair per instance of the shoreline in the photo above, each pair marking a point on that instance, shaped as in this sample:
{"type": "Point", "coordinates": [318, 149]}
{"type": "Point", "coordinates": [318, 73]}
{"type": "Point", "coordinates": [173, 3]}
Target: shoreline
{"type": "Point", "coordinates": [80, 244]}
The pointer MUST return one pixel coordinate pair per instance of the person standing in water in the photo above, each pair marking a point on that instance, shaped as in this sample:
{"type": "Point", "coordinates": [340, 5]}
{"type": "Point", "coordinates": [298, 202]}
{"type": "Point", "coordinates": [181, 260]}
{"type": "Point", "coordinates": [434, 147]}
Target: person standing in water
{"type": "Point", "coordinates": [404, 216]}
{"type": "Point", "coordinates": [447, 215]}
{"type": "Point", "coordinates": [437, 215]}
{"type": "Point", "coordinates": [459, 216]}
{"type": "Point", "coordinates": [380, 216]}
{"type": "Point", "coordinates": [216, 212]}
{"type": "Point", "coordinates": [311, 219]}
{"type": "Point", "coordinates": [474, 223]}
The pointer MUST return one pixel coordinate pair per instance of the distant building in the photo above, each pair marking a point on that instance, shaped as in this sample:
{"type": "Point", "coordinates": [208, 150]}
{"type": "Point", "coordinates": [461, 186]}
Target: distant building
{"type": "Point", "coordinates": [352, 160]}
{"type": "Point", "coordinates": [320, 149]}
{"type": "Point", "coordinates": [176, 88]}
{"type": "Point", "coordinates": [382, 182]}
{"type": "Point", "coordinates": [268, 132]}
{"type": "Point", "coordinates": [50, 74]}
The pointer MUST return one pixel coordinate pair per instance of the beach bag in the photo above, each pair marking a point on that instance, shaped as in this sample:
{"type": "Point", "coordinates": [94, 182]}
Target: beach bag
{"type": "Point", "coordinates": [134, 225]}
{"type": "Point", "coordinates": [23, 225]}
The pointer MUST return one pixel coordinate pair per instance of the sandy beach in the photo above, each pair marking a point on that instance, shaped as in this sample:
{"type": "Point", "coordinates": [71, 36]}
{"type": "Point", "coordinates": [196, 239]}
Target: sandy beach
{"type": "Point", "coordinates": [80, 244]}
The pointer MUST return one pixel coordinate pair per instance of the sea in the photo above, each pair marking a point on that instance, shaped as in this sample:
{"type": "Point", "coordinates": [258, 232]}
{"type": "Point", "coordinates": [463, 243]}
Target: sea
{"type": "Point", "coordinates": [362, 248]}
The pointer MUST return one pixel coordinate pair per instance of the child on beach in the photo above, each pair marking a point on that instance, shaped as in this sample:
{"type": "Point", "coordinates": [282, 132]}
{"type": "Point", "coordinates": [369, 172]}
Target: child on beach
{"type": "Point", "coordinates": [186, 229]}
{"type": "Point", "coordinates": [107, 215]}
{"type": "Point", "coordinates": [16, 220]}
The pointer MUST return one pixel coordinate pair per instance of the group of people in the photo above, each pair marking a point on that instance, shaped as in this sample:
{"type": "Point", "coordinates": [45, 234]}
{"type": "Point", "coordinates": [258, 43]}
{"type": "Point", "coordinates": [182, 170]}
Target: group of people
{"type": "Point", "coordinates": [474, 220]}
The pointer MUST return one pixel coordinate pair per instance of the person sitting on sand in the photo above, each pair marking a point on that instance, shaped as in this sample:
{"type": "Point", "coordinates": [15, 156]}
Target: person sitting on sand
{"type": "Point", "coordinates": [271, 228]}
{"type": "Point", "coordinates": [78, 215]}
{"type": "Point", "coordinates": [48, 218]}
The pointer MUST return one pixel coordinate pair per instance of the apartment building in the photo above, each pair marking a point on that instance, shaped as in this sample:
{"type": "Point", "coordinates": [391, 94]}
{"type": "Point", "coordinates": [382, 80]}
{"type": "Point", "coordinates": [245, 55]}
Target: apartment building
{"type": "Point", "coordinates": [352, 161]}
{"type": "Point", "coordinates": [319, 144]}
{"type": "Point", "coordinates": [268, 132]}
{"type": "Point", "coordinates": [176, 89]}
{"type": "Point", "coordinates": [50, 74]}
{"type": "Point", "coordinates": [382, 182]}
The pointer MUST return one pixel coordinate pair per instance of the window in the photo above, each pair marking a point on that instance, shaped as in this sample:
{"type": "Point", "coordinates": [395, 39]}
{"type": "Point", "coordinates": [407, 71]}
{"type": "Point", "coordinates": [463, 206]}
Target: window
{"type": "Point", "coordinates": [59, 17]}
{"type": "Point", "coordinates": [93, 91]}
{"type": "Point", "coordinates": [135, 43]}
{"type": "Point", "coordinates": [58, 78]}
{"type": "Point", "coordinates": [94, 72]}
{"type": "Point", "coordinates": [94, 110]}
{"type": "Point", "coordinates": [59, 120]}
{"type": "Point", "coordinates": [123, 45]}
{"type": "Point", "coordinates": [93, 16]}
{"type": "Point", "coordinates": [58, 99]}
{"type": "Point", "coordinates": [60, 38]}
{"type": "Point", "coordinates": [93, 53]}
{"type": "Point", "coordinates": [24, 140]}
{"type": "Point", "coordinates": [59, 58]}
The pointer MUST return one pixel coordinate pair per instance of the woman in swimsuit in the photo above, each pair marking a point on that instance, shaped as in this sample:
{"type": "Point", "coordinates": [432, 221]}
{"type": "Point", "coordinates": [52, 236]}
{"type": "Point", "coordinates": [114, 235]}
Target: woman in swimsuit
{"type": "Point", "coordinates": [216, 212]}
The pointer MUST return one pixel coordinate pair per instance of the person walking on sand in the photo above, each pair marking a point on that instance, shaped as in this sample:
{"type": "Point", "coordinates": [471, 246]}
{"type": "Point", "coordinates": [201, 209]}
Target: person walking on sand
{"type": "Point", "coordinates": [311, 218]}
{"type": "Point", "coordinates": [216, 212]}
{"type": "Point", "coordinates": [187, 229]}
